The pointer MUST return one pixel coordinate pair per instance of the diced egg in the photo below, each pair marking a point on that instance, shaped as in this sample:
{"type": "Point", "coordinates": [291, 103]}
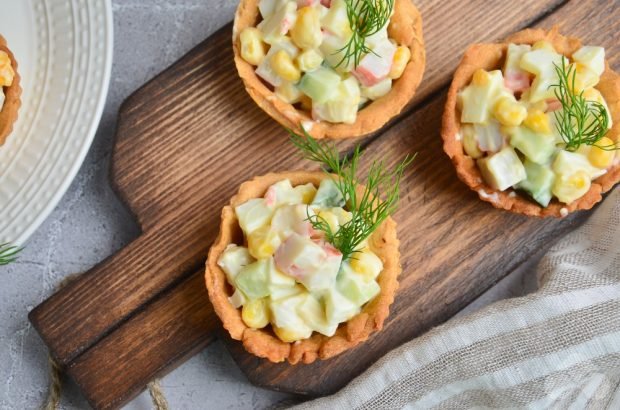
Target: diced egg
{"type": "Point", "coordinates": [312, 264]}
{"type": "Point", "coordinates": [378, 90]}
{"type": "Point", "coordinates": [502, 170]}
{"type": "Point", "coordinates": [591, 57]}
{"type": "Point", "coordinates": [366, 263]}
{"type": "Point", "coordinates": [478, 98]}
{"type": "Point", "coordinates": [253, 214]}
{"type": "Point", "coordinates": [279, 23]}
{"type": "Point", "coordinates": [542, 63]}
{"type": "Point", "coordinates": [338, 308]}
{"type": "Point", "coordinates": [233, 259]}
{"type": "Point", "coordinates": [313, 314]}
{"type": "Point", "coordinates": [376, 65]}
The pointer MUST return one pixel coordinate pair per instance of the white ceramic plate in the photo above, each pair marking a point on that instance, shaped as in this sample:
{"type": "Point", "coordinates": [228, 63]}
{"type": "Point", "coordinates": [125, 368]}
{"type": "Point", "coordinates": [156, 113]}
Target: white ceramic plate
{"type": "Point", "coordinates": [64, 52]}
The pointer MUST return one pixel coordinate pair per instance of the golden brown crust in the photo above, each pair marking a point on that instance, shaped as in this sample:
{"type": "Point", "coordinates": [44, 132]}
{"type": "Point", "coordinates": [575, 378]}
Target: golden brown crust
{"type": "Point", "coordinates": [405, 27]}
{"type": "Point", "coordinates": [490, 57]}
{"type": "Point", "coordinates": [12, 100]}
{"type": "Point", "coordinates": [264, 343]}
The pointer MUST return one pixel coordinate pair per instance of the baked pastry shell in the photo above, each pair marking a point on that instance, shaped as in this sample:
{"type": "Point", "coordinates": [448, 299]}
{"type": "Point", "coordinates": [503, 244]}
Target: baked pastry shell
{"type": "Point", "coordinates": [12, 98]}
{"type": "Point", "coordinates": [491, 57]}
{"type": "Point", "coordinates": [263, 342]}
{"type": "Point", "coordinates": [405, 27]}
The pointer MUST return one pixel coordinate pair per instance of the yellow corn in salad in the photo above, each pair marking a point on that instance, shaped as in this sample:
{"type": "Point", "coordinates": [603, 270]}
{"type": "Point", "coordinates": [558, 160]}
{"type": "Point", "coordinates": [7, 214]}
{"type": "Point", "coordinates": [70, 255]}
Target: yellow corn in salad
{"type": "Point", "coordinates": [298, 50]}
{"type": "Point", "coordinates": [510, 121]}
{"type": "Point", "coordinates": [288, 275]}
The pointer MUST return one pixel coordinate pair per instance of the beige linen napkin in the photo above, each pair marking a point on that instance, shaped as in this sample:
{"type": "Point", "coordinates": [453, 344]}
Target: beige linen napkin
{"type": "Point", "coordinates": [556, 348]}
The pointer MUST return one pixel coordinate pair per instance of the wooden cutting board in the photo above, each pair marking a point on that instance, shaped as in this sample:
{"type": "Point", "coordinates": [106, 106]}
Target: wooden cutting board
{"type": "Point", "coordinates": [188, 138]}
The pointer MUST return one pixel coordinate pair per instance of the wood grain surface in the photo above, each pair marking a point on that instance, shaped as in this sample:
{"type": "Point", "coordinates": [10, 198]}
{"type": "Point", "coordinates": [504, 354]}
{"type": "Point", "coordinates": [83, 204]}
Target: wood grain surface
{"type": "Point", "coordinates": [189, 137]}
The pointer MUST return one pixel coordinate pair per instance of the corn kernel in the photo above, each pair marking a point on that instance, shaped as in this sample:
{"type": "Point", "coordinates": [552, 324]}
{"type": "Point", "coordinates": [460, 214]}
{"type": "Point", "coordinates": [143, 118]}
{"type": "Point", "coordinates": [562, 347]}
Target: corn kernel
{"type": "Point", "coordinates": [401, 58]}
{"type": "Point", "coordinates": [538, 122]}
{"type": "Point", "coordinates": [283, 65]}
{"type": "Point", "coordinates": [255, 313]}
{"type": "Point", "coordinates": [6, 70]}
{"type": "Point", "coordinates": [309, 60]}
{"type": "Point", "coordinates": [571, 187]}
{"type": "Point", "coordinates": [481, 77]}
{"type": "Point", "coordinates": [263, 242]}
{"type": "Point", "coordinates": [470, 143]}
{"type": "Point", "coordinates": [288, 92]}
{"type": "Point", "coordinates": [306, 32]}
{"type": "Point", "coordinates": [288, 335]}
{"type": "Point", "coordinates": [602, 154]}
{"type": "Point", "coordinates": [509, 112]}
{"type": "Point", "coordinates": [252, 46]}
{"type": "Point", "coordinates": [543, 45]}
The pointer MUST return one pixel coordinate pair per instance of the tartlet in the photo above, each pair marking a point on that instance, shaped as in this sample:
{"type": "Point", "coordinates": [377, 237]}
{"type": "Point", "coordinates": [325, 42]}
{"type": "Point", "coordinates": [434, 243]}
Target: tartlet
{"type": "Point", "coordinates": [12, 101]}
{"type": "Point", "coordinates": [491, 57]}
{"type": "Point", "coordinates": [263, 342]}
{"type": "Point", "coordinates": [405, 28]}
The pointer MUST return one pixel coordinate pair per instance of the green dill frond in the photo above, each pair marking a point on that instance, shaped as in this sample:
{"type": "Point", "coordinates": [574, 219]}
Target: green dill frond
{"type": "Point", "coordinates": [370, 207]}
{"type": "Point", "coordinates": [366, 17]}
{"type": "Point", "coordinates": [8, 253]}
{"type": "Point", "coordinates": [580, 121]}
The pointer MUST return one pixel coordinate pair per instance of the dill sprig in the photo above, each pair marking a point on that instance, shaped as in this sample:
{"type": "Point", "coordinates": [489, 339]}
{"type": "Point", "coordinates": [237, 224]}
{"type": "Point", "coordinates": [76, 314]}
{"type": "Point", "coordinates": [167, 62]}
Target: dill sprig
{"type": "Point", "coordinates": [368, 209]}
{"type": "Point", "coordinates": [8, 253]}
{"type": "Point", "coordinates": [366, 17]}
{"type": "Point", "coordinates": [580, 121]}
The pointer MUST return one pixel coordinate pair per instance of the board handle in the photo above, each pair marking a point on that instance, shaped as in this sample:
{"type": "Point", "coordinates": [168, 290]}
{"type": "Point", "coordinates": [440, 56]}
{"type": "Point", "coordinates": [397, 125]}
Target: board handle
{"type": "Point", "coordinates": [99, 301]}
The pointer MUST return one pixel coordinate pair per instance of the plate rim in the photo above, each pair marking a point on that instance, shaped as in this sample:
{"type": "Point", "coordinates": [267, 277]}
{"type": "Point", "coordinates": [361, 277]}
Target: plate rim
{"type": "Point", "coordinates": [59, 193]}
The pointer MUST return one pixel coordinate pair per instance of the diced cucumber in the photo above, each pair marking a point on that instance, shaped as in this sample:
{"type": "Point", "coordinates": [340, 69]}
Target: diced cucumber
{"type": "Point", "coordinates": [538, 183]}
{"type": "Point", "coordinates": [328, 195]}
{"type": "Point", "coordinates": [355, 287]}
{"type": "Point", "coordinates": [253, 280]}
{"type": "Point", "coordinates": [320, 84]}
{"type": "Point", "coordinates": [502, 170]}
{"type": "Point", "coordinates": [338, 308]}
{"type": "Point", "coordinates": [536, 147]}
{"type": "Point", "coordinates": [341, 106]}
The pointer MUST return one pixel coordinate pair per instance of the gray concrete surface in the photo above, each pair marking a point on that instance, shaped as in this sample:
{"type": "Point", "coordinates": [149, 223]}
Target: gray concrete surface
{"type": "Point", "coordinates": [90, 223]}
